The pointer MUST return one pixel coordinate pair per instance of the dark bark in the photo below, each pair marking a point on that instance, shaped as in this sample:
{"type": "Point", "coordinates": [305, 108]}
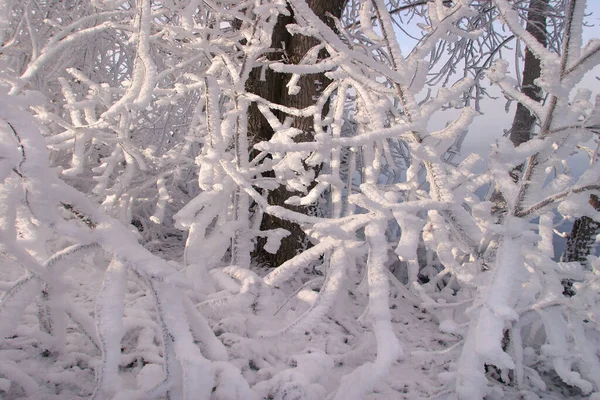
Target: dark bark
{"type": "Point", "coordinates": [289, 49]}
{"type": "Point", "coordinates": [524, 121]}
{"type": "Point", "coordinates": [582, 238]}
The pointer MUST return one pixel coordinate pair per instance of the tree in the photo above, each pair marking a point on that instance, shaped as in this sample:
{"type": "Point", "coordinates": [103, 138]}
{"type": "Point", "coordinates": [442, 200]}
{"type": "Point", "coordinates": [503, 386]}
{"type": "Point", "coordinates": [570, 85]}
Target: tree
{"type": "Point", "coordinates": [134, 184]}
{"type": "Point", "coordinates": [524, 121]}
{"type": "Point", "coordinates": [272, 86]}
{"type": "Point", "coordinates": [572, 60]}
{"type": "Point", "coordinates": [582, 238]}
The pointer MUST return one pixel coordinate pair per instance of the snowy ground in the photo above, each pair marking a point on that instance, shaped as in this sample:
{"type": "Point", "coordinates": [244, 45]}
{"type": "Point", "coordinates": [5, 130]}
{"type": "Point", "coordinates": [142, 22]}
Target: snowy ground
{"type": "Point", "coordinates": [70, 375]}
{"type": "Point", "coordinates": [314, 360]}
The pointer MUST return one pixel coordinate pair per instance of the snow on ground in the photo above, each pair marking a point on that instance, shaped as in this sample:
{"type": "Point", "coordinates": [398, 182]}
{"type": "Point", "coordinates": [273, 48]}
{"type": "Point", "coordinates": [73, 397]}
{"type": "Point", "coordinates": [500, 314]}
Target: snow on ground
{"type": "Point", "coordinates": [299, 365]}
{"type": "Point", "coordinates": [338, 344]}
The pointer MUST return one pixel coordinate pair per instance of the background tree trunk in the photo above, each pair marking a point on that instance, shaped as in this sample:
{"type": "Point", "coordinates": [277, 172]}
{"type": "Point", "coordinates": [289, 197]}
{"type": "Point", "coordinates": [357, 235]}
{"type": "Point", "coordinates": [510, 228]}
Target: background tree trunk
{"type": "Point", "coordinates": [524, 121]}
{"type": "Point", "coordinates": [582, 238]}
{"type": "Point", "coordinates": [290, 49]}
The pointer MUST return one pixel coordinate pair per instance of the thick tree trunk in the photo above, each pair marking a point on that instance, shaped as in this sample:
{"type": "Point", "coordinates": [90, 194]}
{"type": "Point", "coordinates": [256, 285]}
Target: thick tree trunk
{"type": "Point", "coordinates": [273, 88]}
{"type": "Point", "coordinates": [524, 121]}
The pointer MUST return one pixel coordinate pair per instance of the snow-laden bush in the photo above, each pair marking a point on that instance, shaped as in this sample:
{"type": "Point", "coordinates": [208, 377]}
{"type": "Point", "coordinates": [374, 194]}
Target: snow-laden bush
{"type": "Point", "coordinates": [133, 192]}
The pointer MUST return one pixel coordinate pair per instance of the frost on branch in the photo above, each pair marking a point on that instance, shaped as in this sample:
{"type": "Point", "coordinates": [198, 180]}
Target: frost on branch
{"type": "Point", "coordinates": [133, 195]}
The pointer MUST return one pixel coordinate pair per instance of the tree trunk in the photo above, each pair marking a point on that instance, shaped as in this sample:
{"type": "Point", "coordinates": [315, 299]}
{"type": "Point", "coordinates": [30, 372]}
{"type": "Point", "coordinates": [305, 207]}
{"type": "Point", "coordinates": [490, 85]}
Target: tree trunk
{"type": "Point", "coordinates": [524, 121]}
{"type": "Point", "coordinates": [582, 238]}
{"type": "Point", "coordinates": [273, 88]}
